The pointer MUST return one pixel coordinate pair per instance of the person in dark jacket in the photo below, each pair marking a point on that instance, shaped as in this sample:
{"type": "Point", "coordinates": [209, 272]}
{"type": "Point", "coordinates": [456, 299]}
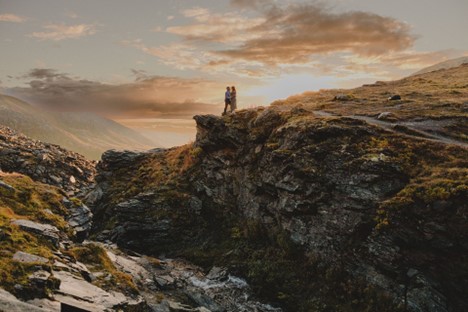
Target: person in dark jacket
{"type": "Point", "coordinates": [227, 99]}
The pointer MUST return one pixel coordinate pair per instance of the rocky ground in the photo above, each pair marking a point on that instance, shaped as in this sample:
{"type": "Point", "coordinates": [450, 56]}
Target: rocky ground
{"type": "Point", "coordinates": [340, 200]}
{"type": "Point", "coordinates": [45, 264]}
{"type": "Point", "coordinates": [45, 162]}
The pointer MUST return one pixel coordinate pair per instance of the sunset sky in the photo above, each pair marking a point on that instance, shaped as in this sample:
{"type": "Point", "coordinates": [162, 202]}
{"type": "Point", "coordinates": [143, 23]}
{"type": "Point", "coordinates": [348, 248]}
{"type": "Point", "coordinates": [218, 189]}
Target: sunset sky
{"type": "Point", "coordinates": [170, 59]}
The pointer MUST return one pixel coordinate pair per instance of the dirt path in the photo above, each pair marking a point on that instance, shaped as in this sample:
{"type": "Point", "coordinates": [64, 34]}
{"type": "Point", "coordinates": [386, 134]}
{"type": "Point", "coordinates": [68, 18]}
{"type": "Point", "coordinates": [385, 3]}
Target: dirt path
{"type": "Point", "coordinates": [409, 129]}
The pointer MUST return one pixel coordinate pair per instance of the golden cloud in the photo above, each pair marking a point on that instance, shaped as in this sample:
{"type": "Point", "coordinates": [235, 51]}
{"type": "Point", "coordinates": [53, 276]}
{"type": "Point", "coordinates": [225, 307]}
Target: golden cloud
{"type": "Point", "coordinates": [12, 18]}
{"type": "Point", "coordinates": [57, 32]}
{"type": "Point", "coordinates": [150, 96]}
{"type": "Point", "coordinates": [292, 34]}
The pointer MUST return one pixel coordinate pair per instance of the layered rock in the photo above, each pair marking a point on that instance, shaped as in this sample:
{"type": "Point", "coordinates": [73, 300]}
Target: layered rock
{"type": "Point", "coordinates": [305, 206]}
{"type": "Point", "coordinates": [46, 265]}
{"type": "Point", "coordinates": [44, 162]}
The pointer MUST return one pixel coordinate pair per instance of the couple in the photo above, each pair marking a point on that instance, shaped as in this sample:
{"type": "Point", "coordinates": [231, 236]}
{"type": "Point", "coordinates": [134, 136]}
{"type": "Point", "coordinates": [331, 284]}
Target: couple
{"type": "Point", "coordinates": [230, 99]}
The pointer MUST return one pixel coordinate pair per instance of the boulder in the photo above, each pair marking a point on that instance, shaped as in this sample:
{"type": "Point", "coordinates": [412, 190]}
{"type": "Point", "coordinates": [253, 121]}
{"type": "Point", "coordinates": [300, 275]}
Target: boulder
{"type": "Point", "coordinates": [395, 97]}
{"type": "Point", "coordinates": [343, 97]}
{"type": "Point", "coordinates": [388, 116]}
{"type": "Point", "coordinates": [10, 303]}
{"type": "Point", "coordinates": [73, 288]}
{"type": "Point", "coordinates": [80, 218]}
{"type": "Point", "coordinates": [6, 186]}
{"type": "Point", "coordinates": [28, 258]}
{"type": "Point", "coordinates": [47, 231]}
{"type": "Point", "coordinates": [217, 273]}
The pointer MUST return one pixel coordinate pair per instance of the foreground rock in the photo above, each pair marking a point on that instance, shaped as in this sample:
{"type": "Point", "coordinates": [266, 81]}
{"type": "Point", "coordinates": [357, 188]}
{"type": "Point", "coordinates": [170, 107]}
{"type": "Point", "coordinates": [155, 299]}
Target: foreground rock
{"type": "Point", "coordinates": [47, 266]}
{"type": "Point", "coordinates": [80, 218]}
{"type": "Point", "coordinates": [77, 292]}
{"type": "Point", "coordinates": [9, 303]}
{"type": "Point", "coordinates": [176, 285]}
{"type": "Point", "coordinates": [43, 264]}
{"type": "Point", "coordinates": [47, 231]}
{"type": "Point", "coordinates": [44, 162]}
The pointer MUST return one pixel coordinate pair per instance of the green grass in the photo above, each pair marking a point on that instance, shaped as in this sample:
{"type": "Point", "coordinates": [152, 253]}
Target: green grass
{"type": "Point", "coordinates": [97, 259]}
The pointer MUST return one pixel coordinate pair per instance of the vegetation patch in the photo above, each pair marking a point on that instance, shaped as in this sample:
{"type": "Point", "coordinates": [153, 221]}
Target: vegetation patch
{"type": "Point", "coordinates": [97, 259]}
{"type": "Point", "coordinates": [32, 201]}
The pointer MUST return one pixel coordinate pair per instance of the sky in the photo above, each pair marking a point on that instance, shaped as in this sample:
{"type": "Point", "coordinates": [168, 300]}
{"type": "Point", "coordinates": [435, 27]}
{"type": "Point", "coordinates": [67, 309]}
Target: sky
{"type": "Point", "coordinates": [171, 59]}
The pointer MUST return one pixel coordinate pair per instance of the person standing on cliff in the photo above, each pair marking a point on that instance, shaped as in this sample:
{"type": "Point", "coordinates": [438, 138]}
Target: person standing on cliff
{"type": "Point", "coordinates": [233, 99]}
{"type": "Point", "coordinates": [227, 99]}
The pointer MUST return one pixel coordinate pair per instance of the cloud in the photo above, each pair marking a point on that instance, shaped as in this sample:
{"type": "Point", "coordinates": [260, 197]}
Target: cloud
{"type": "Point", "coordinates": [147, 96]}
{"type": "Point", "coordinates": [12, 18]}
{"type": "Point", "coordinates": [71, 14]}
{"type": "Point", "coordinates": [57, 32]}
{"type": "Point", "coordinates": [293, 34]}
{"type": "Point", "coordinates": [184, 56]}
{"type": "Point", "coordinates": [255, 4]}
{"type": "Point", "coordinates": [178, 55]}
{"type": "Point", "coordinates": [217, 27]}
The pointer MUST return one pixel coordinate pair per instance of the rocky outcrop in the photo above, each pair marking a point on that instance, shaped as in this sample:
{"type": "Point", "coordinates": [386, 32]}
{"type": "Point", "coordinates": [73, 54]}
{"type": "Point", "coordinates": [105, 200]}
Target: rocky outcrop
{"type": "Point", "coordinates": [186, 287]}
{"type": "Point", "coordinates": [79, 217]}
{"type": "Point", "coordinates": [10, 303]}
{"type": "Point", "coordinates": [49, 232]}
{"type": "Point", "coordinates": [44, 162]}
{"type": "Point", "coordinates": [46, 265]}
{"type": "Point", "coordinates": [304, 206]}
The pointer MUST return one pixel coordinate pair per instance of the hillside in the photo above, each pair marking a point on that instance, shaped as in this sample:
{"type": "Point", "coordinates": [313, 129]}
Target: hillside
{"type": "Point", "coordinates": [338, 200]}
{"type": "Point", "coordinates": [85, 133]}
{"type": "Point", "coordinates": [444, 65]}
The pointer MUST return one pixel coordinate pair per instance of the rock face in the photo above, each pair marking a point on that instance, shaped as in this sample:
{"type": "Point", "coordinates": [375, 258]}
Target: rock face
{"type": "Point", "coordinates": [80, 218]}
{"type": "Point", "coordinates": [28, 258]}
{"type": "Point", "coordinates": [185, 286]}
{"type": "Point", "coordinates": [49, 232]}
{"type": "Point", "coordinates": [305, 207]}
{"type": "Point", "coordinates": [44, 162]}
{"type": "Point", "coordinates": [9, 303]}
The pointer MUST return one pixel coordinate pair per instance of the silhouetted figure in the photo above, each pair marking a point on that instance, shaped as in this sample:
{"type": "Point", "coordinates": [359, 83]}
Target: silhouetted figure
{"type": "Point", "coordinates": [227, 99]}
{"type": "Point", "coordinates": [233, 99]}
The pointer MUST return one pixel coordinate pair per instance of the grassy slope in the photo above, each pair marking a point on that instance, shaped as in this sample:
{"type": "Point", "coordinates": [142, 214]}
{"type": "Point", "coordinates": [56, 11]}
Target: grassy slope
{"type": "Point", "coordinates": [43, 204]}
{"type": "Point", "coordinates": [85, 133]}
{"type": "Point", "coordinates": [439, 94]}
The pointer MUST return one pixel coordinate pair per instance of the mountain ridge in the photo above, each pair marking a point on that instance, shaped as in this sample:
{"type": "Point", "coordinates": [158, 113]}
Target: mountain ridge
{"type": "Point", "coordinates": [86, 133]}
{"type": "Point", "coordinates": [443, 65]}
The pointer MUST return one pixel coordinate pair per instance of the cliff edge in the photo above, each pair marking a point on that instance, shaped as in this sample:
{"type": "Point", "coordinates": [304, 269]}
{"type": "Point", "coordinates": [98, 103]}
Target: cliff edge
{"type": "Point", "coordinates": [324, 202]}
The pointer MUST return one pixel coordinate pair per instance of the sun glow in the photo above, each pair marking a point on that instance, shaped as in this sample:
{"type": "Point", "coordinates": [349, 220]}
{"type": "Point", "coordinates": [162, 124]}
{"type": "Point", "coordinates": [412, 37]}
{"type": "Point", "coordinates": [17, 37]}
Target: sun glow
{"type": "Point", "coordinates": [287, 85]}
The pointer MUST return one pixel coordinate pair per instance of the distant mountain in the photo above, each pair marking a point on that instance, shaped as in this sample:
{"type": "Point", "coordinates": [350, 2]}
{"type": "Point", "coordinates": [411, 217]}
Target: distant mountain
{"type": "Point", "coordinates": [444, 65]}
{"type": "Point", "coordinates": [85, 133]}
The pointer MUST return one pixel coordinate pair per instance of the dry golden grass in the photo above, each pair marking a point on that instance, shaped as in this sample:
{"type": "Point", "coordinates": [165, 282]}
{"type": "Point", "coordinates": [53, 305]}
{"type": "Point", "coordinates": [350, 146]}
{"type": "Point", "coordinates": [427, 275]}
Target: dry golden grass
{"type": "Point", "coordinates": [437, 94]}
{"type": "Point", "coordinates": [31, 200]}
{"type": "Point", "coordinates": [97, 259]}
